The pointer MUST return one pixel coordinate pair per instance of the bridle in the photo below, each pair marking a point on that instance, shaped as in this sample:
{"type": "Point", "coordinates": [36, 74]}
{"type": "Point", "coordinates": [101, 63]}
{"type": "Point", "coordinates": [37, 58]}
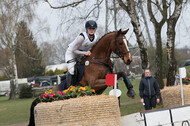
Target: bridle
{"type": "Point", "coordinates": [117, 50]}
{"type": "Point", "coordinates": [119, 53]}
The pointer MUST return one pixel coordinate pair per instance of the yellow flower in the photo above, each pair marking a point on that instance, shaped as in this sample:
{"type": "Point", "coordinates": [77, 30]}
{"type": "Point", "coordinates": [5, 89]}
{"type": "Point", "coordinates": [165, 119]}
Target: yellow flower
{"type": "Point", "coordinates": [72, 86]}
{"type": "Point", "coordinates": [71, 89]}
{"type": "Point", "coordinates": [46, 92]}
{"type": "Point", "coordinates": [50, 91]}
{"type": "Point", "coordinates": [93, 90]}
{"type": "Point", "coordinates": [64, 91]}
{"type": "Point", "coordinates": [82, 89]}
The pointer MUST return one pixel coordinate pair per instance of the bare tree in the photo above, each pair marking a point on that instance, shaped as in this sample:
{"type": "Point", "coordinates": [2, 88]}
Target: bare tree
{"type": "Point", "coordinates": [77, 10]}
{"type": "Point", "coordinates": [145, 23]}
{"type": "Point", "coordinates": [129, 7]}
{"type": "Point", "coordinates": [106, 15]}
{"type": "Point", "coordinates": [48, 53]}
{"type": "Point", "coordinates": [162, 8]}
{"type": "Point", "coordinates": [171, 24]}
{"type": "Point", "coordinates": [11, 12]}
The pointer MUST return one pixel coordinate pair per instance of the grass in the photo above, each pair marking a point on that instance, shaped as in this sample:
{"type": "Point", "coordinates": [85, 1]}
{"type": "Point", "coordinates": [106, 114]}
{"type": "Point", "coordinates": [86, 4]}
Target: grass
{"type": "Point", "coordinates": [17, 111]}
{"type": "Point", "coordinates": [14, 111]}
{"type": "Point", "coordinates": [130, 105]}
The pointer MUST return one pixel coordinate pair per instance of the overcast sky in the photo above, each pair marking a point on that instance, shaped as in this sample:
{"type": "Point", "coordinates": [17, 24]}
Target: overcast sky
{"type": "Point", "coordinates": [52, 18]}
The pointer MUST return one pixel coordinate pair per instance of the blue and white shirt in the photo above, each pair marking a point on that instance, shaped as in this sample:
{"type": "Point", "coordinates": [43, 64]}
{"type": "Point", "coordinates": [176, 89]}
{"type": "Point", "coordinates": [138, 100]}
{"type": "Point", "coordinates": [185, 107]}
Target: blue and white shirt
{"type": "Point", "coordinates": [82, 43]}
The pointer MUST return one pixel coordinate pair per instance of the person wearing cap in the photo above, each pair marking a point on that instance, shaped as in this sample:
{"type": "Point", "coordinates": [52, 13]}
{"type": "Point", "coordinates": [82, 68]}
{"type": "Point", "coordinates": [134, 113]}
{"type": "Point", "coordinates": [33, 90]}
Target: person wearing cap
{"type": "Point", "coordinates": [80, 46]}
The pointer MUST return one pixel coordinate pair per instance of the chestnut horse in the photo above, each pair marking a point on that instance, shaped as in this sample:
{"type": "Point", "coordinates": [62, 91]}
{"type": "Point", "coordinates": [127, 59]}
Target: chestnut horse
{"type": "Point", "coordinates": [98, 65]}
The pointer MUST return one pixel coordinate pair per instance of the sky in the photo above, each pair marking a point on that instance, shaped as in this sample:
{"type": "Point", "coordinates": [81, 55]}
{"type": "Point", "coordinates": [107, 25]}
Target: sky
{"type": "Point", "coordinates": [46, 26]}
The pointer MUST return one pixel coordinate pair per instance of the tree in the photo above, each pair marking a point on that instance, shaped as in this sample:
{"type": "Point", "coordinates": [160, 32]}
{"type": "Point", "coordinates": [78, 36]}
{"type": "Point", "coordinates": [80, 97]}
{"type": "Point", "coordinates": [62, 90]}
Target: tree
{"type": "Point", "coordinates": [171, 24]}
{"type": "Point", "coordinates": [11, 12]}
{"type": "Point", "coordinates": [162, 8]}
{"type": "Point", "coordinates": [28, 55]}
{"type": "Point", "coordinates": [48, 53]}
{"type": "Point", "coordinates": [129, 7]}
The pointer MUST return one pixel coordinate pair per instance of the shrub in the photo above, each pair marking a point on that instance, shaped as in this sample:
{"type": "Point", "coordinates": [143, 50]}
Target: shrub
{"type": "Point", "coordinates": [3, 77]}
{"type": "Point", "coordinates": [56, 72]}
{"type": "Point", "coordinates": [25, 92]}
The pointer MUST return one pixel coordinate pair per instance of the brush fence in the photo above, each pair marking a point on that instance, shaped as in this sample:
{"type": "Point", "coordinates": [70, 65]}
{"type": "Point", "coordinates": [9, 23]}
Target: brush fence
{"type": "Point", "coordinates": [99, 110]}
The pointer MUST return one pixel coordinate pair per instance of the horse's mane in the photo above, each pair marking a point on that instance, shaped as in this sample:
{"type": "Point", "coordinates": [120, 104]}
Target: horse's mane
{"type": "Point", "coordinates": [102, 37]}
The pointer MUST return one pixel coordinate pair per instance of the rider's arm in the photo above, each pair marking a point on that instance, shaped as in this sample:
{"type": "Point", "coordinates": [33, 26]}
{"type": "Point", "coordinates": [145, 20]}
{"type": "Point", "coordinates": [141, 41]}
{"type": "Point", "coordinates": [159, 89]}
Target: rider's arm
{"type": "Point", "coordinates": [75, 50]}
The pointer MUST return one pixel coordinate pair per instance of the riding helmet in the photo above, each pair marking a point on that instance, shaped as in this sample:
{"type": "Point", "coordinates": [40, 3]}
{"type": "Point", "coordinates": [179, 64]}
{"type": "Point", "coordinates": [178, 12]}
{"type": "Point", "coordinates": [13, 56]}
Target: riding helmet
{"type": "Point", "coordinates": [90, 24]}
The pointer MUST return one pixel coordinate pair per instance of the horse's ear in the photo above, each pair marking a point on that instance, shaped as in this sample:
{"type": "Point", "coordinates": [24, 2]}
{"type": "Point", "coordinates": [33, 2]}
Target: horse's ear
{"type": "Point", "coordinates": [119, 32]}
{"type": "Point", "coordinates": [124, 32]}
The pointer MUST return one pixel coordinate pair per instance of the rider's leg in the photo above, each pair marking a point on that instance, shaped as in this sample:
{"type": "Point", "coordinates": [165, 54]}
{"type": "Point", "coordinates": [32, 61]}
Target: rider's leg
{"type": "Point", "coordinates": [69, 80]}
{"type": "Point", "coordinates": [70, 65]}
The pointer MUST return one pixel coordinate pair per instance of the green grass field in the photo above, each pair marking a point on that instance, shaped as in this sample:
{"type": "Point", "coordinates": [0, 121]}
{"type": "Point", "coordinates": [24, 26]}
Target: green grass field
{"type": "Point", "coordinates": [128, 105]}
{"type": "Point", "coordinates": [16, 111]}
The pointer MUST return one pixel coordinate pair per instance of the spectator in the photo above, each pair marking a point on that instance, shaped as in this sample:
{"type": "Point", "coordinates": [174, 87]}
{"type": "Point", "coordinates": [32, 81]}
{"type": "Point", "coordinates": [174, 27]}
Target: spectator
{"type": "Point", "coordinates": [149, 91]}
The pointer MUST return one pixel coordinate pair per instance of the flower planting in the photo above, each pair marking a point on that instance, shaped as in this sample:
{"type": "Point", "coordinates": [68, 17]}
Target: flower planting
{"type": "Point", "coordinates": [71, 92]}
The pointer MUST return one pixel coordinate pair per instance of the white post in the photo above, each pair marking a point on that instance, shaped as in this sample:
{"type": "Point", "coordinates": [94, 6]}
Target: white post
{"type": "Point", "coordinates": [58, 79]}
{"type": "Point", "coordinates": [182, 74]}
{"type": "Point", "coordinates": [115, 84]}
{"type": "Point", "coordinates": [115, 91]}
{"type": "Point", "coordinates": [181, 87]}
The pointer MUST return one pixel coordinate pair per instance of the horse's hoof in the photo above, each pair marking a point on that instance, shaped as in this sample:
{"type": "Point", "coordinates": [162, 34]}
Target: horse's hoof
{"type": "Point", "coordinates": [131, 93]}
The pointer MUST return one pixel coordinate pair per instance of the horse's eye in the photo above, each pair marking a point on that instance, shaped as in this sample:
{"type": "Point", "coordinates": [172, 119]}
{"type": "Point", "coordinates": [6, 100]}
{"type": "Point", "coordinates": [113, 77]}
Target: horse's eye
{"type": "Point", "coordinates": [121, 43]}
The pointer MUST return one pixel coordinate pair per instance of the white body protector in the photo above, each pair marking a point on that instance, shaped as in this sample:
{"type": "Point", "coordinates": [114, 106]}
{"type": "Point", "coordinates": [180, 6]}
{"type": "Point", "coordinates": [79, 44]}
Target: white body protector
{"type": "Point", "coordinates": [78, 47]}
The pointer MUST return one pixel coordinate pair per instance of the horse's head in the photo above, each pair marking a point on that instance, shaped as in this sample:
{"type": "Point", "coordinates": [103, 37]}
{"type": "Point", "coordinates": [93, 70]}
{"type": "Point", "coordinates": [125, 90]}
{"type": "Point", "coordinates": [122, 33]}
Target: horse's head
{"type": "Point", "coordinates": [121, 46]}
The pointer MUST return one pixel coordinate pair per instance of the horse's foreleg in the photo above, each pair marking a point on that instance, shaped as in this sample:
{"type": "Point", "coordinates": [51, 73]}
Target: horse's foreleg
{"type": "Point", "coordinates": [125, 79]}
{"type": "Point", "coordinates": [128, 84]}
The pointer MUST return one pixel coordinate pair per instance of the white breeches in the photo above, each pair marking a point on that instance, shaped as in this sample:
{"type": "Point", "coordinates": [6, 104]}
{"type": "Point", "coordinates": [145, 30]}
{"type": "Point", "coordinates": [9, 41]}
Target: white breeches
{"type": "Point", "coordinates": [68, 56]}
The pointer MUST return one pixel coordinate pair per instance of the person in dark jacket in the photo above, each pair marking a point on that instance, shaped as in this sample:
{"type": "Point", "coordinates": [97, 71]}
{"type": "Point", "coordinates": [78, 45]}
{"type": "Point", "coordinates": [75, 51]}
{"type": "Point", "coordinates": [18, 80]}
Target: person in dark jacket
{"type": "Point", "coordinates": [149, 91]}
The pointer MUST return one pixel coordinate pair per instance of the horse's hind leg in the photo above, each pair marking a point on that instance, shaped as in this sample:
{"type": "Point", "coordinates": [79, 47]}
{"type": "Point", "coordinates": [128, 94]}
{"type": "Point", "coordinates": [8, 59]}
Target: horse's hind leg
{"type": "Point", "coordinates": [34, 103]}
{"type": "Point", "coordinates": [130, 92]}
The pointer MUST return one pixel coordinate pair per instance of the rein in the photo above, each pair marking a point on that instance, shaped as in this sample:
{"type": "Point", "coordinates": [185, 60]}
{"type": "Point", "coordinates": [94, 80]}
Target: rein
{"type": "Point", "coordinates": [99, 63]}
{"type": "Point", "coordinates": [106, 58]}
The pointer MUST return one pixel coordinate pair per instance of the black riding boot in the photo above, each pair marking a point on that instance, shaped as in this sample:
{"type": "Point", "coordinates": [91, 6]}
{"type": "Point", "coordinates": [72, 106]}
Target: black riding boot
{"type": "Point", "coordinates": [130, 92]}
{"type": "Point", "coordinates": [69, 80]}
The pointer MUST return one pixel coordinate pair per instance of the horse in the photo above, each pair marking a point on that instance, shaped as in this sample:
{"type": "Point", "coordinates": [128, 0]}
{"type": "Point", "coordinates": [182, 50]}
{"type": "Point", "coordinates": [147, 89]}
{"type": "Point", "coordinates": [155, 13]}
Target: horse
{"type": "Point", "coordinates": [99, 64]}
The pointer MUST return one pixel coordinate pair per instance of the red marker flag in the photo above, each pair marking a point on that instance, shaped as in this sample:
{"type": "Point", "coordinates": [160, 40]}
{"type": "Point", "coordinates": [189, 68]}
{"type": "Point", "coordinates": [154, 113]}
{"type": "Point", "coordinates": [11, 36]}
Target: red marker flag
{"type": "Point", "coordinates": [110, 79]}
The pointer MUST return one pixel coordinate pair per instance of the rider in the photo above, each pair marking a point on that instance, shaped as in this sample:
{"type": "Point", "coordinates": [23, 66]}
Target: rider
{"type": "Point", "coordinates": [80, 46]}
